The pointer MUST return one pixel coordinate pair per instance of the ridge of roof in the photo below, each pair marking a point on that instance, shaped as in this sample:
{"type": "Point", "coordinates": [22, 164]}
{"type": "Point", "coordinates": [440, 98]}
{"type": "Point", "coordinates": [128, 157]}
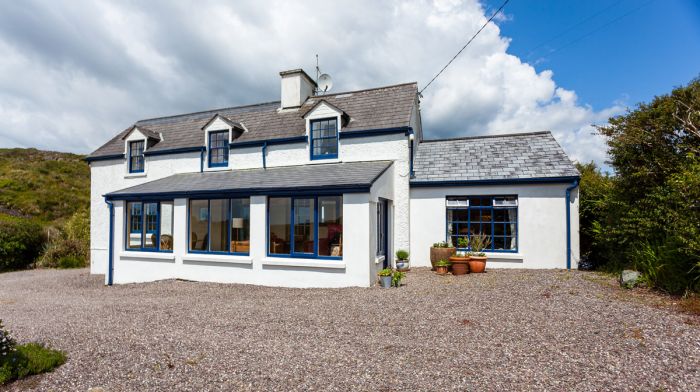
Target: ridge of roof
{"type": "Point", "coordinates": [212, 111]}
{"type": "Point", "coordinates": [365, 89]}
{"type": "Point", "coordinates": [487, 136]}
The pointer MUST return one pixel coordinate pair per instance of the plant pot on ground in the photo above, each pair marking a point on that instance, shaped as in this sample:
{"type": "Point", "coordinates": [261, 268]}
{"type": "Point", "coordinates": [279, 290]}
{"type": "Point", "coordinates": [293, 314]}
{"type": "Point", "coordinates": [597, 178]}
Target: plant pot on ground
{"type": "Point", "coordinates": [402, 260]}
{"type": "Point", "coordinates": [385, 276]}
{"type": "Point", "coordinates": [440, 251]}
{"type": "Point", "coordinates": [477, 261]}
{"type": "Point", "coordinates": [442, 266]}
{"type": "Point", "coordinates": [459, 260]}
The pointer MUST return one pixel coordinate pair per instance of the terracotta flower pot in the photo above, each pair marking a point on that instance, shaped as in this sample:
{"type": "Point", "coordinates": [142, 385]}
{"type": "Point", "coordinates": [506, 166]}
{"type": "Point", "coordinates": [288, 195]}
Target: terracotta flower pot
{"type": "Point", "coordinates": [437, 254]}
{"type": "Point", "coordinates": [441, 270]}
{"type": "Point", "coordinates": [477, 264]}
{"type": "Point", "coordinates": [459, 265]}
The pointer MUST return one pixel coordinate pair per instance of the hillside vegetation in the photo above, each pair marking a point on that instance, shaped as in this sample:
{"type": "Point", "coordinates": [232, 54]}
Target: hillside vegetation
{"type": "Point", "coordinates": [45, 185]}
{"type": "Point", "coordinates": [44, 209]}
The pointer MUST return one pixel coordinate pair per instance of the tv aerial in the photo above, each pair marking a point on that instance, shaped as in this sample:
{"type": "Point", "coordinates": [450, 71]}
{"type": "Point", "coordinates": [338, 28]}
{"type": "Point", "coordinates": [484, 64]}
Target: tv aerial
{"type": "Point", "coordinates": [323, 80]}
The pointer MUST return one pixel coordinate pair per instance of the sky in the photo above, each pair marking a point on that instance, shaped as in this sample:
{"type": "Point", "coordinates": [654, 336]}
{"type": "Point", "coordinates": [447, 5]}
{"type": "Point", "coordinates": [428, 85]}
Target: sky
{"type": "Point", "coordinates": [75, 73]}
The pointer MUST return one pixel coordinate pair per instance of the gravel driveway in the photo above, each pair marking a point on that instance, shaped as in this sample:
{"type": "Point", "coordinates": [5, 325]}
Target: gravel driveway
{"type": "Point", "coordinates": [503, 330]}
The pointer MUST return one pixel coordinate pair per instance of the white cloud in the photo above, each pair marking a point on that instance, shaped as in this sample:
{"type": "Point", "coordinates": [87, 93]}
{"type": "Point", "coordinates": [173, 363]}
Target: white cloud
{"type": "Point", "coordinates": [73, 76]}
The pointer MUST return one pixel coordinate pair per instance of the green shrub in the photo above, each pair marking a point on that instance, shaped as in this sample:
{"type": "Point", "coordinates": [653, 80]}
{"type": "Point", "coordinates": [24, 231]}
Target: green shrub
{"type": "Point", "coordinates": [69, 246]}
{"type": "Point", "coordinates": [402, 254]}
{"type": "Point", "coordinates": [385, 272]}
{"type": "Point", "coordinates": [19, 361]}
{"type": "Point", "coordinates": [7, 344]}
{"type": "Point", "coordinates": [21, 241]}
{"type": "Point", "coordinates": [70, 262]}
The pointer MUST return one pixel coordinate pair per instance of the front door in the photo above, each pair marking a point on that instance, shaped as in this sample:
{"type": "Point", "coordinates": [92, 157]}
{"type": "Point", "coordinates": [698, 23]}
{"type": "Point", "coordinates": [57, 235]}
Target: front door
{"type": "Point", "coordinates": [382, 231]}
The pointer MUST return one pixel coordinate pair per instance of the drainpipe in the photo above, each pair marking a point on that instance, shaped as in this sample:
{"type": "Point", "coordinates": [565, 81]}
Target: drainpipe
{"type": "Point", "coordinates": [568, 223]}
{"type": "Point", "coordinates": [264, 153]}
{"type": "Point", "coordinates": [201, 161]}
{"type": "Point", "coordinates": [411, 136]}
{"type": "Point", "coordinates": [110, 263]}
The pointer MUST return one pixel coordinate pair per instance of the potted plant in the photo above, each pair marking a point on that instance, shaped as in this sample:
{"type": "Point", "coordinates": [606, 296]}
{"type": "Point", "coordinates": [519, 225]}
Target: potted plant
{"type": "Point", "coordinates": [460, 259]}
{"type": "Point", "coordinates": [442, 266]}
{"type": "Point", "coordinates": [440, 251]}
{"type": "Point", "coordinates": [385, 277]}
{"type": "Point", "coordinates": [477, 262]}
{"type": "Point", "coordinates": [402, 260]}
{"type": "Point", "coordinates": [396, 278]}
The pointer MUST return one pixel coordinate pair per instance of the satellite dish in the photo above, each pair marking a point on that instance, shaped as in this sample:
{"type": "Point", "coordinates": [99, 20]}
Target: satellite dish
{"type": "Point", "coordinates": [325, 83]}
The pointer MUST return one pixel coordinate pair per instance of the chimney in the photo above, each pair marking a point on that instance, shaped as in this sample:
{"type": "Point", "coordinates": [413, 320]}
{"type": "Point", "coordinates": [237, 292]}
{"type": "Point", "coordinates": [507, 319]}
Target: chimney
{"type": "Point", "coordinates": [297, 85]}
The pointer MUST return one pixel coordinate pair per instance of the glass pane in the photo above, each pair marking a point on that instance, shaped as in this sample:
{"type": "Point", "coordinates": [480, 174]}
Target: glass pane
{"type": "Point", "coordinates": [199, 221]}
{"type": "Point", "coordinates": [498, 229]}
{"type": "Point", "coordinates": [151, 210]}
{"type": "Point", "coordinates": [240, 225]}
{"type": "Point", "coordinates": [486, 215]}
{"type": "Point", "coordinates": [499, 243]}
{"type": "Point", "coordinates": [461, 215]}
{"type": "Point", "coordinates": [218, 225]}
{"type": "Point", "coordinates": [512, 214]}
{"type": "Point", "coordinates": [166, 225]}
{"type": "Point", "coordinates": [475, 215]}
{"type": "Point", "coordinates": [509, 229]}
{"type": "Point", "coordinates": [500, 215]}
{"type": "Point", "coordinates": [330, 226]}
{"type": "Point", "coordinates": [304, 225]}
{"type": "Point", "coordinates": [510, 243]}
{"type": "Point", "coordinates": [279, 216]}
{"type": "Point", "coordinates": [133, 223]}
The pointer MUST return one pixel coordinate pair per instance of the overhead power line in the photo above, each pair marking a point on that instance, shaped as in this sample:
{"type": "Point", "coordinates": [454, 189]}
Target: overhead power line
{"type": "Point", "coordinates": [465, 46]}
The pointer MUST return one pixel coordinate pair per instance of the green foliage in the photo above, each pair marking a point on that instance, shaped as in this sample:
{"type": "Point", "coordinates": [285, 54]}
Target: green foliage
{"type": "Point", "coordinates": [49, 186]}
{"type": "Point", "coordinates": [479, 242]}
{"type": "Point", "coordinates": [7, 344]}
{"type": "Point", "coordinates": [443, 263]}
{"type": "Point", "coordinates": [441, 245]}
{"type": "Point", "coordinates": [30, 359]}
{"type": "Point", "coordinates": [396, 278]}
{"type": "Point", "coordinates": [21, 240]}
{"type": "Point", "coordinates": [462, 242]}
{"type": "Point", "coordinates": [402, 254]}
{"type": "Point", "coordinates": [647, 216]}
{"type": "Point", "coordinates": [69, 246]}
{"type": "Point", "coordinates": [385, 272]}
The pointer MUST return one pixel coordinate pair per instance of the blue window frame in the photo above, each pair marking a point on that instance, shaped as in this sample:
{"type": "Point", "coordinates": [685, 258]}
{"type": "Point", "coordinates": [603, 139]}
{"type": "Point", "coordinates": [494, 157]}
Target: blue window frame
{"type": "Point", "coordinates": [149, 226]}
{"type": "Point", "coordinates": [324, 138]}
{"type": "Point", "coordinates": [219, 226]}
{"type": "Point", "coordinates": [494, 216]}
{"type": "Point", "coordinates": [305, 226]}
{"type": "Point", "coordinates": [136, 159]}
{"type": "Point", "coordinates": [218, 149]}
{"type": "Point", "coordinates": [382, 227]}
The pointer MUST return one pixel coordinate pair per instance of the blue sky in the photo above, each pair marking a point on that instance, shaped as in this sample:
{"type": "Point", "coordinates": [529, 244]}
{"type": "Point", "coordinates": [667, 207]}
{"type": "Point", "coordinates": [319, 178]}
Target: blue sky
{"type": "Point", "coordinates": [643, 54]}
{"type": "Point", "coordinates": [75, 73]}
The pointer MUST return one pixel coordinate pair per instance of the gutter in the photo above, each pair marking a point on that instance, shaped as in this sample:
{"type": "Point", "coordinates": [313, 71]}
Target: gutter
{"type": "Point", "coordinates": [201, 161]}
{"type": "Point", "coordinates": [110, 263]}
{"type": "Point", "coordinates": [568, 222]}
{"type": "Point", "coordinates": [502, 181]}
{"type": "Point", "coordinates": [264, 153]}
{"type": "Point", "coordinates": [411, 136]}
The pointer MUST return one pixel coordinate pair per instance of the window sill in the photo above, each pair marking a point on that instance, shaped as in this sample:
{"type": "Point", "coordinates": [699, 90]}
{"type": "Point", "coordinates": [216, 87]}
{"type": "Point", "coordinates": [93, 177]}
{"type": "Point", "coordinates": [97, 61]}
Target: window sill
{"type": "Point", "coordinates": [167, 256]}
{"type": "Point", "coordinates": [217, 168]}
{"type": "Point", "coordinates": [318, 161]}
{"type": "Point", "coordinates": [230, 259]}
{"type": "Point", "coordinates": [299, 262]}
{"type": "Point", "coordinates": [135, 175]}
{"type": "Point", "coordinates": [493, 256]}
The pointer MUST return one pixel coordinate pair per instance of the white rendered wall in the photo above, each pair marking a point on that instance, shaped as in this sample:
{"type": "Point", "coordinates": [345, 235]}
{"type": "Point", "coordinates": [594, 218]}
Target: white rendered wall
{"type": "Point", "coordinates": [541, 224]}
{"type": "Point", "coordinates": [352, 270]}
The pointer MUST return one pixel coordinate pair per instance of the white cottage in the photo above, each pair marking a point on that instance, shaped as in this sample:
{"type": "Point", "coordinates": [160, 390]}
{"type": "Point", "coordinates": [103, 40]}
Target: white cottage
{"type": "Point", "coordinates": [320, 191]}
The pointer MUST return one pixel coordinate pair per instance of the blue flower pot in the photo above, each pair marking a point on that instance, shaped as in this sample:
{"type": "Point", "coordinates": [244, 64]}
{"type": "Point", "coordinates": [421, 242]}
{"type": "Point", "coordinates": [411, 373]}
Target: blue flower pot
{"type": "Point", "coordinates": [385, 281]}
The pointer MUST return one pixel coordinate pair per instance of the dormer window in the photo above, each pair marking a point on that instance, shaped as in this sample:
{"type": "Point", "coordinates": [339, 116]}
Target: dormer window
{"type": "Point", "coordinates": [136, 159]}
{"type": "Point", "coordinates": [324, 138]}
{"type": "Point", "coordinates": [218, 149]}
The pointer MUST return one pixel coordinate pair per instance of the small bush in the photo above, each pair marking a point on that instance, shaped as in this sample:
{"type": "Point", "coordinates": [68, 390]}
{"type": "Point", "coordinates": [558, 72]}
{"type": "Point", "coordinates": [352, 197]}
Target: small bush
{"type": "Point", "coordinates": [21, 241]}
{"type": "Point", "coordinates": [402, 254]}
{"type": "Point", "coordinates": [7, 344]}
{"type": "Point", "coordinates": [19, 361]}
{"type": "Point", "coordinates": [70, 262]}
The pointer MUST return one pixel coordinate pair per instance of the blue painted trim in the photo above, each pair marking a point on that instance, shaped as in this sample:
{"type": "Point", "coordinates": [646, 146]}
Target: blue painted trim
{"type": "Point", "coordinates": [375, 132]}
{"type": "Point", "coordinates": [292, 254]}
{"type": "Point", "coordinates": [264, 155]}
{"type": "Point", "coordinates": [136, 156]}
{"type": "Point", "coordinates": [410, 150]}
{"type": "Point", "coordinates": [201, 160]}
{"type": "Point", "coordinates": [225, 148]}
{"type": "Point", "coordinates": [493, 223]}
{"type": "Point", "coordinates": [568, 222]}
{"type": "Point", "coordinates": [110, 258]}
{"type": "Point", "coordinates": [103, 158]}
{"type": "Point", "coordinates": [144, 231]}
{"type": "Point", "coordinates": [258, 143]}
{"type": "Point", "coordinates": [223, 193]}
{"type": "Point", "coordinates": [180, 150]}
{"type": "Point", "coordinates": [312, 139]}
{"type": "Point", "coordinates": [228, 229]}
{"type": "Point", "coordinates": [511, 181]}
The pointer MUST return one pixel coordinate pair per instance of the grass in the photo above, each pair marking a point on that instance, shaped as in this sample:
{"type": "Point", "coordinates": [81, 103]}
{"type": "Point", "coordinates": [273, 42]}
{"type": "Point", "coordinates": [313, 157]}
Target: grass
{"type": "Point", "coordinates": [30, 359]}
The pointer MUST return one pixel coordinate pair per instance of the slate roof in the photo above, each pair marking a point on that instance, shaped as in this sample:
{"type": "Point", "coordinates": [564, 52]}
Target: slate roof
{"type": "Point", "coordinates": [515, 156]}
{"type": "Point", "coordinates": [357, 175]}
{"type": "Point", "coordinates": [377, 108]}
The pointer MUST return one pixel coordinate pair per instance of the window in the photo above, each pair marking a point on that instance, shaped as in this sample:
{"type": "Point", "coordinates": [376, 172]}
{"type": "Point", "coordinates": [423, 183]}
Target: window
{"type": "Point", "coordinates": [324, 138]}
{"type": "Point", "coordinates": [305, 226]}
{"type": "Point", "coordinates": [218, 149]}
{"type": "Point", "coordinates": [136, 160]}
{"type": "Point", "coordinates": [220, 226]}
{"type": "Point", "coordinates": [382, 227]}
{"type": "Point", "coordinates": [149, 226]}
{"type": "Point", "coordinates": [494, 216]}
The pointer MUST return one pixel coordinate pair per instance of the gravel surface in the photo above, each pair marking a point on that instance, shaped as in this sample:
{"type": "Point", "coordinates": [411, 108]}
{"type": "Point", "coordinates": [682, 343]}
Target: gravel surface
{"type": "Point", "coordinates": [503, 330]}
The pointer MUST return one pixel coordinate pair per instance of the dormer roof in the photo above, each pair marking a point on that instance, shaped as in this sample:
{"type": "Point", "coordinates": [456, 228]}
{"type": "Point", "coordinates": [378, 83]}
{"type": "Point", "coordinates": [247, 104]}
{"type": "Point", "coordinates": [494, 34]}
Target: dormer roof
{"type": "Point", "coordinates": [226, 120]}
{"type": "Point", "coordinates": [145, 131]}
{"type": "Point", "coordinates": [343, 115]}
